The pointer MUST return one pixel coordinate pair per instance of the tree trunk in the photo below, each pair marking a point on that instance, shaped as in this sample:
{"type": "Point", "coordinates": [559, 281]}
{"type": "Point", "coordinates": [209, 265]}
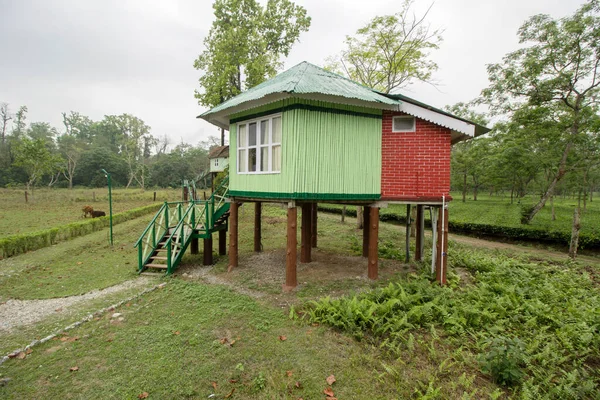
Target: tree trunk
{"type": "Point", "coordinates": [562, 170]}
{"type": "Point", "coordinates": [552, 203]}
{"type": "Point", "coordinates": [413, 221]}
{"type": "Point", "coordinates": [70, 183]}
{"type": "Point", "coordinates": [359, 217]}
{"type": "Point", "coordinates": [475, 192]}
{"type": "Point", "coordinates": [575, 234]}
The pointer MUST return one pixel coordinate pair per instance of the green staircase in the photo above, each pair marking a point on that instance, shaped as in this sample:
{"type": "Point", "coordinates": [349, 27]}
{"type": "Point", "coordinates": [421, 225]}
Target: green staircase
{"type": "Point", "coordinates": [176, 224]}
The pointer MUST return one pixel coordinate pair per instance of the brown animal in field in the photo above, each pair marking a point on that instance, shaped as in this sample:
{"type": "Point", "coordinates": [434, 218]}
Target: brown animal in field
{"type": "Point", "coordinates": [96, 214]}
{"type": "Point", "coordinates": [87, 210]}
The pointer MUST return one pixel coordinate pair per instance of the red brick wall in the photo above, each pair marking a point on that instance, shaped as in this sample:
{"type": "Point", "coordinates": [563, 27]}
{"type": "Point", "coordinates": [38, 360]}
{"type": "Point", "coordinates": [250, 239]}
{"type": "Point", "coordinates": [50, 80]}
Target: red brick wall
{"type": "Point", "coordinates": [415, 165]}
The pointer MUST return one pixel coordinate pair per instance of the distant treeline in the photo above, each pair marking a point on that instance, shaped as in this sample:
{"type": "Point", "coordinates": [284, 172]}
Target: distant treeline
{"type": "Point", "coordinates": [39, 154]}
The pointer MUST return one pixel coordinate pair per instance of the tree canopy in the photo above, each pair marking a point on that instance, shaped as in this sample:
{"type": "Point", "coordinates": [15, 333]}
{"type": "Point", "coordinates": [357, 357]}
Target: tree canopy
{"type": "Point", "coordinates": [390, 51]}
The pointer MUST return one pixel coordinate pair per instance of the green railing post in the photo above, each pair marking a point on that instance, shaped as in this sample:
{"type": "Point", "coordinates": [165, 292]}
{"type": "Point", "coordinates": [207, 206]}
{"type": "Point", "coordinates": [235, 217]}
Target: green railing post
{"type": "Point", "coordinates": [169, 257]}
{"type": "Point", "coordinates": [107, 175]}
{"type": "Point", "coordinates": [154, 236]}
{"type": "Point", "coordinates": [140, 261]}
{"type": "Point", "coordinates": [167, 215]}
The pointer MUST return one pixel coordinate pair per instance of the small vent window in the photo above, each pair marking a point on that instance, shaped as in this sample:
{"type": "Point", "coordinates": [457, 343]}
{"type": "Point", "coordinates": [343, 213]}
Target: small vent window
{"type": "Point", "coordinates": [403, 124]}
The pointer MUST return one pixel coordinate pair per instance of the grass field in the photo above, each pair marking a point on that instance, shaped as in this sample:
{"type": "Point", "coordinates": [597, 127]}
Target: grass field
{"type": "Point", "coordinates": [234, 329]}
{"type": "Point", "coordinates": [48, 208]}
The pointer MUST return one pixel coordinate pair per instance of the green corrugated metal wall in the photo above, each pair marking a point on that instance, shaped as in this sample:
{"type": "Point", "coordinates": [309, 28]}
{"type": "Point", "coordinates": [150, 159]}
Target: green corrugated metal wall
{"type": "Point", "coordinates": [325, 155]}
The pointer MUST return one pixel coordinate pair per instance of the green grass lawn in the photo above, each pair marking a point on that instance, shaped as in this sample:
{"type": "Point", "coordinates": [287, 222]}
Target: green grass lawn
{"type": "Point", "coordinates": [48, 208]}
{"type": "Point", "coordinates": [73, 267]}
{"type": "Point", "coordinates": [177, 341]}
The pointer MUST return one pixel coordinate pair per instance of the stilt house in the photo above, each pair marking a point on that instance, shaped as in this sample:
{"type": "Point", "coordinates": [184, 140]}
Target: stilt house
{"type": "Point", "coordinates": [309, 135]}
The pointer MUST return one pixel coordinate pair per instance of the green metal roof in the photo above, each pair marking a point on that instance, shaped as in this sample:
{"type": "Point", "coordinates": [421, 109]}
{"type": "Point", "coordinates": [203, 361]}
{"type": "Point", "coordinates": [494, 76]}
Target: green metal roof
{"type": "Point", "coordinates": [305, 78]}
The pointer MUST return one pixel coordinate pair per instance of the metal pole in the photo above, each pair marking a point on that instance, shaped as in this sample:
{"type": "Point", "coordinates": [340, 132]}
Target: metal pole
{"type": "Point", "coordinates": [110, 215]}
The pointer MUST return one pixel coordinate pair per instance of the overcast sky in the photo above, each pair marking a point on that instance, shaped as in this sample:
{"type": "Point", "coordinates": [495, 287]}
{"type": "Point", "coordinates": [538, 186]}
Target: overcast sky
{"type": "Point", "coordinates": [119, 56]}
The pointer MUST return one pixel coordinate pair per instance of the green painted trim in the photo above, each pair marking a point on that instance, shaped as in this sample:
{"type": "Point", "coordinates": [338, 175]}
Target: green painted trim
{"type": "Point", "coordinates": [304, 196]}
{"type": "Point", "coordinates": [308, 107]}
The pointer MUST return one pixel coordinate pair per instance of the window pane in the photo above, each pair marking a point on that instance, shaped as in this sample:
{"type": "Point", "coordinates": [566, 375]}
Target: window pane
{"type": "Point", "coordinates": [276, 159]}
{"type": "Point", "coordinates": [404, 124]}
{"type": "Point", "coordinates": [264, 132]}
{"type": "Point", "coordinates": [264, 158]}
{"type": "Point", "coordinates": [242, 161]}
{"type": "Point", "coordinates": [243, 138]}
{"type": "Point", "coordinates": [252, 160]}
{"type": "Point", "coordinates": [252, 134]}
{"type": "Point", "coordinates": [277, 130]}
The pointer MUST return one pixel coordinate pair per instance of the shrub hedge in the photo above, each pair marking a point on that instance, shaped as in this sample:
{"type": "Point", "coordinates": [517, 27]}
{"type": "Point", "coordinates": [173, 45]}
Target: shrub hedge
{"type": "Point", "coordinates": [18, 244]}
{"type": "Point", "coordinates": [524, 233]}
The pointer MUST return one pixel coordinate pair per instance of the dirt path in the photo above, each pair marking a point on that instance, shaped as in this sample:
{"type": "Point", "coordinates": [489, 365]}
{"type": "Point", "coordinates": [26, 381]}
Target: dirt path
{"type": "Point", "coordinates": [15, 313]}
{"type": "Point", "coordinates": [490, 244]}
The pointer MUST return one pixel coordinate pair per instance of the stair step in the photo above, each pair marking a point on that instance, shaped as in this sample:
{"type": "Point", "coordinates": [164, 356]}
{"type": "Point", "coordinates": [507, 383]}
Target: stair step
{"type": "Point", "coordinates": [161, 250]}
{"type": "Point", "coordinates": [160, 266]}
{"type": "Point", "coordinates": [158, 258]}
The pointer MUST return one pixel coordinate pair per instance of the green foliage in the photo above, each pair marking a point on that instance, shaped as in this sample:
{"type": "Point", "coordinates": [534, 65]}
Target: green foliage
{"type": "Point", "coordinates": [538, 321]}
{"type": "Point", "coordinates": [503, 360]}
{"type": "Point", "coordinates": [390, 51]}
{"type": "Point", "coordinates": [18, 244]}
{"type": "Point", "coordinates": [247, 41]}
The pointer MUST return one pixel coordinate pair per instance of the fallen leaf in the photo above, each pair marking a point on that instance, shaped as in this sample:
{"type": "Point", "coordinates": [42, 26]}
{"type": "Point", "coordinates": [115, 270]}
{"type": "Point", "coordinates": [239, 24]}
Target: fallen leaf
{"type": "Point", "coordinates": [224, 340]}
{"type": "Point", "coordinates": [233, 381]}
{"type": "Point", "coordinates": [21, 355]}
{"type": "Point", "coordinates": [232, 342]}
{"type": "Point", "coordinates": [74, 369]}
{"type": "Point", "coordinates": [282, 338]}
{"type": "Point", "coordinates": [58, 309]}
{"type": "Point", "coordinates": [79, 263]}
{"type": "Point", "coordinates": [176, 333]}
{"type": "Point", "coordinates": [288, 373]}
{"type": "Point", "coordinates": [214, 385]}
{"type": "Point", "coordinates": [143, 395]}
{"type": "Point", "coordinates": [230, 393]}
{"type": "Point", "coordinates": [328, 392]}
{"type": "Point", "coordinates": [128, 304]}
{"type": "Point", "coordinates": [28, 351]}
{"type": "Point", "coordinates": [64, 338]}
{"type": "Point", "coordinates": [330, 380]}
{"type": "Point", "coordinates": [298, 385]}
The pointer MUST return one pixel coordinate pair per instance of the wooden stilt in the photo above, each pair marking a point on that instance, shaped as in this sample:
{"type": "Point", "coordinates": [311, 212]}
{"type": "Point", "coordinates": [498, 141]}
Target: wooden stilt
{"type": "Point", "coordinates": [257, 226]}
{"type": "Point", "coordinates": [233, 236]}
{"type": "Point", "coordinates": [292, 242]}
{"type": "Point", "coordinates": [306, 233]}
{"type": "Point", "coordinates": [313, 225]}
{"type": "Point", "coordinates": [420, 233]}
{"type": "Point", "coordinates": [222, 242]}
{"type": "Point", "coordinates": [442, 247]}
{"type": "Point", "coordinates": [373, 229]}
{"type": "Point", "coordinates": [208, 256]}
{"type": "Point", "coordinates": [366, 221]}
{"type": "Point", "coordinates": [407, 247]}
{"type": "Point", "coordinates": [194, 246]}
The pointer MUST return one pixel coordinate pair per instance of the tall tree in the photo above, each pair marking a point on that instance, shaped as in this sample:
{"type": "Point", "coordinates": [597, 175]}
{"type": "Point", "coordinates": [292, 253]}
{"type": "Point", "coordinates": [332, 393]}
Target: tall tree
{"type": "Point", "coordinates": [390, 51]}
{"type": "Point", "coordinates": [556, 70]}
{"type": "Point", "coordinates": [20, 122]}
{"type": "Point", "coordinates": [6, 116]}
{"type": "Point", "coordinates": [35, 158]}
{"type": "Point", "coordinates": [245, 45]}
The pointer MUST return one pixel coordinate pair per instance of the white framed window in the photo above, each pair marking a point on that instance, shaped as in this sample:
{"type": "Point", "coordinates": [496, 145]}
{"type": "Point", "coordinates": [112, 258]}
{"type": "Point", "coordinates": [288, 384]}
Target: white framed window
{"type": "Point", "coordinates": [259, 145]}
{"type": "Point", "coordinates": [216, 162]}
{"type": "Point", "coordinates": [404, 123]}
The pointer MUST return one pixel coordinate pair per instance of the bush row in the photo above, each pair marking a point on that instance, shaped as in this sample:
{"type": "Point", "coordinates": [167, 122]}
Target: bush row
{"type": "Point", "coordinates": [18, 244]}
{"type": "Point", "coordinates": [586, 241]}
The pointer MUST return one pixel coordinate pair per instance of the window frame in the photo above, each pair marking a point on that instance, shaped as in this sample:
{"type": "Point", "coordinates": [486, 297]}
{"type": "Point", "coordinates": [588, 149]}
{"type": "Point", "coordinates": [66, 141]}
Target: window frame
{"type": "Point", "coordinates": [258, 146]}
{"type": "Point", "coordinates": [414, 123]}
